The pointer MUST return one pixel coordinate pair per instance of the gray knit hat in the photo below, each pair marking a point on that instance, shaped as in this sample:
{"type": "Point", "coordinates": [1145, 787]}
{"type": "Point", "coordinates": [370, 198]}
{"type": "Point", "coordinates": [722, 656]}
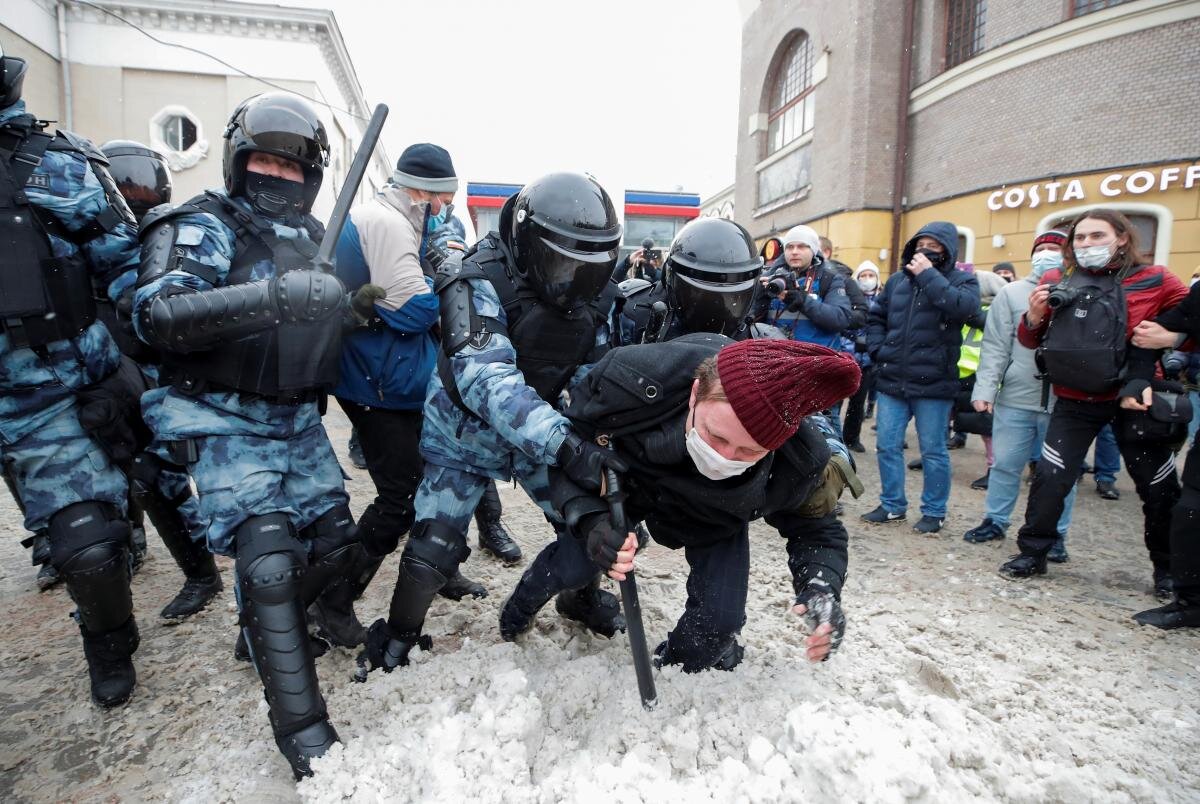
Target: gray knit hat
{"type": "Point", "coordinates": [425, 166]}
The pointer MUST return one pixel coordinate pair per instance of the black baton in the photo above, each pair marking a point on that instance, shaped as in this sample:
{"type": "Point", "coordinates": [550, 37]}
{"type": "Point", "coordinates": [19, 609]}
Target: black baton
{"type": "Point", "coordinates": [629, 598]}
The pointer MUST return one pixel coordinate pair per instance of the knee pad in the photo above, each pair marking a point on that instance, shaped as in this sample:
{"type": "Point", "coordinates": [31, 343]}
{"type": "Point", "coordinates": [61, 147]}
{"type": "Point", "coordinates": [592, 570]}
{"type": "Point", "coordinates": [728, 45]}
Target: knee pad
{"type": "Point", "coordinates": [270, 559]}
{"type": "Point", "coordinates": [332, 537]}
{"type": "Point", "coordinates": [89, 546]}
{"type": "Point", "coordinates": [433, 553]}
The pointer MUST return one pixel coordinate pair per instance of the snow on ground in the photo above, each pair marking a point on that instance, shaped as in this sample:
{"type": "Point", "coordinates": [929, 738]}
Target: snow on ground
{"type": "Point", "coordinates": [953, 685]}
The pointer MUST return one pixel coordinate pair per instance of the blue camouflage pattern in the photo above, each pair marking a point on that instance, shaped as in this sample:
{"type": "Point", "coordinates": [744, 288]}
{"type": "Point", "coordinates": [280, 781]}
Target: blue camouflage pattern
{"type": "Point", "coordinates": [512, 422]}
{"type": "Point", "coordinates": [451, 496]}
{"type": "Point", "coordinates": [34, 391]}
{"type": "Point", "coordinates": [255, 456]}
{"type": "Point", "coordinates": [58, 465]}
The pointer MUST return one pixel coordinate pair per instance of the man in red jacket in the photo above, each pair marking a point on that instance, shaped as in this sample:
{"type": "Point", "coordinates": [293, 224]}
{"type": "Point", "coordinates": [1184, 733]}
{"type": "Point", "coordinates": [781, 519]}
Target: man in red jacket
{"type": "Point", "coordinates": [1080, 321]}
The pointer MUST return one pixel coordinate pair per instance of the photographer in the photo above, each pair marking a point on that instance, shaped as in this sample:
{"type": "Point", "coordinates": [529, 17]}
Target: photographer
{"type": "Point", "coordinates": [645, 263]}
{"type": "Point", "coordinates": [804, 297]}
{"type": "Point", "coordinates": [1080, 320]}
{"type": "Point", "coordinates": [1166, 331]}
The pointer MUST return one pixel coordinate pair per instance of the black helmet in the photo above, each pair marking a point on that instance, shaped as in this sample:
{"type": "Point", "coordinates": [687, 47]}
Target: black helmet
{"type": "Point", "coordinates": [140, 173]}
{"type": "Point", "coordinates": [12, 76]}
{"type": "Point", "coordinates": [564, 234]}
{"type": "Point", "coordinates": [282, 124]}
{"type": "Point", "coordinates": [710, 274]}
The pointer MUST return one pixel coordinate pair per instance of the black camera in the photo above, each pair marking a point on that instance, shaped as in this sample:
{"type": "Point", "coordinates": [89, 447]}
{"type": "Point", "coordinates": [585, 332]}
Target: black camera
{"type": "Point", "coordinates": [1061, 296]}
{"type": "Point", "coordinates": [652, 255]}
{"type": "Point", "coordinates": [781, 282]}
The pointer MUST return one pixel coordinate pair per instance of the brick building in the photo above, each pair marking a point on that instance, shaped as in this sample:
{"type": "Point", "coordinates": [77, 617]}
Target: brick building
{"type": "Point", "coordinates": [1012, 116]}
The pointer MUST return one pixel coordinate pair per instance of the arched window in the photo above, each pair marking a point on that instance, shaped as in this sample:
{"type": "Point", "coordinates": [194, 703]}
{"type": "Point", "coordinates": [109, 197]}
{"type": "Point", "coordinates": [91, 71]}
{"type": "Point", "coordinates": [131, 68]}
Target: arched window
{"type": "Point", "coordinates": [790, 111]}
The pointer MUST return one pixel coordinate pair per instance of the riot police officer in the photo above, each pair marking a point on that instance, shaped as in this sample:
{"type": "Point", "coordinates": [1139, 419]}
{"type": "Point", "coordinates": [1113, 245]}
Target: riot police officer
{"type": "Point", "coordinates": [63, 226]}
{"type": "Point", "coordinates": [159, 490]}
{"type": "Point", "coordinates": [250, 340]}
{"type": "Point", "coordinates": [521, 316]}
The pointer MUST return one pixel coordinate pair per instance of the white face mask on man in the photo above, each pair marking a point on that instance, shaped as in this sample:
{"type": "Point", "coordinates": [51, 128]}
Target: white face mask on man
{"type": "Point", "coordinates": [711, 463]}
{"type": "Point", "coordinates": [1044, 261]}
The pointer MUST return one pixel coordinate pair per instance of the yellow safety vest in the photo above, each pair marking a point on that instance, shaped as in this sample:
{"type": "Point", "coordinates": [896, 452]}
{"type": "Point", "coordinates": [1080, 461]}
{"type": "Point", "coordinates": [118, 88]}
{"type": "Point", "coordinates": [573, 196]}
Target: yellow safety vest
{"type": "Point", "coordinates": [972, 347]}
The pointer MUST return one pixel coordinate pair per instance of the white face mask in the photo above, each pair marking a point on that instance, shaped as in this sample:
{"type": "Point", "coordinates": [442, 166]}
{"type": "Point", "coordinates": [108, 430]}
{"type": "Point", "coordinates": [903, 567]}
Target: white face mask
{"type": "Point", "coordinates": [711, 463]}
{"type": "Point", "coordinates": [868, 283]}
{"type": "Point", "coordinates": [1093, 257]}
{"type": "Point", "coordinates": [1044, 261]}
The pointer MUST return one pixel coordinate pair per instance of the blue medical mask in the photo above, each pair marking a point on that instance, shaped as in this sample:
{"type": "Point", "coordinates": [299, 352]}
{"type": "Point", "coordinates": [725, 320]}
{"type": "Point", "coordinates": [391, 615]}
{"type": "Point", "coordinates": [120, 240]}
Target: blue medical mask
{"type": "Point", "coordinates": [1093, 257]}
{"type": "Point", "coordinates": [435, 222]}
{"type": "Point", "coordinates": [1044, 261]}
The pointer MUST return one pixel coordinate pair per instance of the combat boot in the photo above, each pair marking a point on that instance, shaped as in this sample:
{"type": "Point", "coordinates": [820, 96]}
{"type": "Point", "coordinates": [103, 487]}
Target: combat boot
{"type": "Point", "coordinates": [495, 539]}
{"type": "Point", "coordinates": [387, 649]}
{"type": "Point", "coordinates": [597, 610]}
{"type": "Point", "coordinates": [47, 578]}
{"type": "Point", "coordinates": [458, 586]}
{"type": "Point", "coordinates": [110, 663]}
{"type": "Point", "coordinates": [202, 581]}
{"type": "Point", "coordinates": [1023, 566]}
{"type": "Point", "coordinates": [195, 595]}
{"type": "Point", "coordinates": [333, 611]}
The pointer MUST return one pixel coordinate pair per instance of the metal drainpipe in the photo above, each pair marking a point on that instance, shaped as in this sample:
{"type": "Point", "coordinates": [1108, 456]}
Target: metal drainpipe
{"type": "Point", "coordinates": [65, 68]}
{"type": "Point", "coordinates": [901, 152]}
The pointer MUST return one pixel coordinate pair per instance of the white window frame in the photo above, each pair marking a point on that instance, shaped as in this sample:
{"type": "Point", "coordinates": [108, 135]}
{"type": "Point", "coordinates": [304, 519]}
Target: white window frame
{"type": "Point", "coordinates": [1162, 238]}
{"type": "Point", "coordinates": [968, 235]}
{"type": "Point", "coordinates": [178, 160]}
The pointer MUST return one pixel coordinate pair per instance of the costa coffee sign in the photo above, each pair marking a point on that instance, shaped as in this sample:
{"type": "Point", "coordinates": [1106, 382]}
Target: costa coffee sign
{"type": "Point", "coordinates": [1114, 185]}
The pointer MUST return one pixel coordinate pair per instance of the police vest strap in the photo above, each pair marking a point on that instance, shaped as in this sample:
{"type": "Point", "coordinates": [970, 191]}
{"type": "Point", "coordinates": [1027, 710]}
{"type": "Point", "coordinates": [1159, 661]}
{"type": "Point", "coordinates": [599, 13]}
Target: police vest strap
{"type": "Point", "coordinates": [23, 145]}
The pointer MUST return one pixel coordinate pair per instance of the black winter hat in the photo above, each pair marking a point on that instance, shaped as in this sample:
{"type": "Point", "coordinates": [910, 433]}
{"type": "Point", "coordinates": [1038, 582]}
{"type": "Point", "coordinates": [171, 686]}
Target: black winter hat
{"type": "Point", "coordinates": [425, 166]}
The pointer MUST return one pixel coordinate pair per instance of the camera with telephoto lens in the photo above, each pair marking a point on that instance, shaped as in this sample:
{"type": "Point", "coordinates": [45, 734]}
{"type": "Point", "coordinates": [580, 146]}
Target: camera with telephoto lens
{"type": "Point", "coordinates": [1061, 296]}
{"type": "Point", "coordinates": [781, 282]}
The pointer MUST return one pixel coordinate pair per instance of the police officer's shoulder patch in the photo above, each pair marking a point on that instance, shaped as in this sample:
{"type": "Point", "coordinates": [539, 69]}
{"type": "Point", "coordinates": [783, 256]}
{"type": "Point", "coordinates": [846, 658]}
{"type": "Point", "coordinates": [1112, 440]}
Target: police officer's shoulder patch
{"type": "Point", "coordinates": [480, 339]}
{"type": "Point", "coordinates": [38, 180]}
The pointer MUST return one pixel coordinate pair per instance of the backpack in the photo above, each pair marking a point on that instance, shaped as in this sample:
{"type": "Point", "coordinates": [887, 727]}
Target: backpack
{"type": "Point", "coordinates": [1086, 338]}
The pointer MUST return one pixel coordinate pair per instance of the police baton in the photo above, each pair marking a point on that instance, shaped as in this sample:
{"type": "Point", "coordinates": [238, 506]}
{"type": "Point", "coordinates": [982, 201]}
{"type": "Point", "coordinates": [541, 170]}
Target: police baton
{"type": "Point", "coordinates": [629, 598]}
{"type": "Point", "coordinates": [341, 209]}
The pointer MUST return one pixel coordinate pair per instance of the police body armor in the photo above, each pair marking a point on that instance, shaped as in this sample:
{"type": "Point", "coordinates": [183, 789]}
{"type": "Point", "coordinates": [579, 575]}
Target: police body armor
{"type": "Point", "coordinates": [550, 344]}
{"type": "Point", "coordinates": [289, 363]}
{"type": "Point", "coordinates": [44, 298]}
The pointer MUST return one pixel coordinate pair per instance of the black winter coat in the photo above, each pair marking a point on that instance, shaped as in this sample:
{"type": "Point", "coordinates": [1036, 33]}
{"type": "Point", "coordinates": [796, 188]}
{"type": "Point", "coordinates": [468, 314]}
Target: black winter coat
{"type": "Point", "coordinates": [914, 330]}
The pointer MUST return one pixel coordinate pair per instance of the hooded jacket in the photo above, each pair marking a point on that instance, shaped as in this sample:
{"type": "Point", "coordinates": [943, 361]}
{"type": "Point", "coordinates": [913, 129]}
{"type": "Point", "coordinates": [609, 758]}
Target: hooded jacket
{"type": "Point", "coordinates": [817, 311]}
{"type": "Point", "coordinates": [914, 330]}
{"type": "Point", "coordinates": [387, 363]}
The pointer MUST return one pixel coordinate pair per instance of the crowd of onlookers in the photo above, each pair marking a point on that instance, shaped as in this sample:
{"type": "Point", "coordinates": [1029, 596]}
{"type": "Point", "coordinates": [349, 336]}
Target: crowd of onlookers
{"type": "Point", "coordinates": [1041, 367]}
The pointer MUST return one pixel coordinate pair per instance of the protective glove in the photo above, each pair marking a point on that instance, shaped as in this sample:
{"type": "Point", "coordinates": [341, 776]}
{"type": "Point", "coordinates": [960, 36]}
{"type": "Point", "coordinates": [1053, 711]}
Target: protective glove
{"type": "Point", "coordinates": [604, 539]}
{"type": "Point", "coordinates": [362, 303]}
{"type": "Point", "coordinates": [822, 606]}
{"type": "Point", "coordinates": [585, 462]}
{"type": "Point", "coordinates": [448, 251]}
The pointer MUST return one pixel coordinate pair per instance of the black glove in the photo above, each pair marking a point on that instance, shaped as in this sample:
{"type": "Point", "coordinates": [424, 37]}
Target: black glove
{"type": "Point", "coordinates": [447, 253]}
{"type": "Point", "coordinates": [822, 606]}
{"type": "Point", "coordinates": [585, 462]}
{"type": "Point", "coordinates": [110, 411]}
{"type": "Point", "coordinates": [604, 539]}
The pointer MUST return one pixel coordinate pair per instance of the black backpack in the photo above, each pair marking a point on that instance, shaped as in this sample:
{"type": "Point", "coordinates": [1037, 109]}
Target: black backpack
{"type": "Point", "coordinates": [1086, 338]}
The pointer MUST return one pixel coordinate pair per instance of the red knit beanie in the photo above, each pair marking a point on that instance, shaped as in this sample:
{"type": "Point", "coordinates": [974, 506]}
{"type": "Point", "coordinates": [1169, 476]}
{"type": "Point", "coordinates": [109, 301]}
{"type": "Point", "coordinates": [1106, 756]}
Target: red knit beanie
{"type": "Point", "coordinates": [773, 384]}
{"type": "Point", "coordinates": [1051, 236]}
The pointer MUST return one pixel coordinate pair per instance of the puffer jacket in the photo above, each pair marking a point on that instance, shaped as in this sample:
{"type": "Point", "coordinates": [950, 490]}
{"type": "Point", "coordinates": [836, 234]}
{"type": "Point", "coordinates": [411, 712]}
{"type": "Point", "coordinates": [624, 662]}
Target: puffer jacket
{"type": "Point", "coordinates": [387, 364]}
{"type": "Point", "coordinates": [914, 331]}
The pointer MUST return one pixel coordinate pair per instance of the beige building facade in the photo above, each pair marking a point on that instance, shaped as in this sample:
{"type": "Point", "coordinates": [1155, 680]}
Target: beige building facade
{"type": "Point", "coordinates": [1003, 118]}
{"type": "Point", "coordinates": [119, 84]}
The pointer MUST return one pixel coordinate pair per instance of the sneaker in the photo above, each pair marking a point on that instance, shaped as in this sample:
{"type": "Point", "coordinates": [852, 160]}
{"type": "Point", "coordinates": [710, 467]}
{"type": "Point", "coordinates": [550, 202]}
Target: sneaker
{"type": "Point", "coordinates": [1023, 566]}
{"type": "Point", "coordinates": [981, 483]}
{"type": "Point", "coordinates": [1107, 491]}
{"type": "Point", "coordinates": [47, 577]}
{"type": "Point", "coordinates": [1179, 613]}
{"type": "Point", "coordinates": [882, 515]}
{"type": "Point", "coordinates": [985, 531]}
{"type": "Point", "coordinates": [1058, 555]}
{"type": "Point", "coordinates": [192, 598]}
{"type": "Point", "coordinates": [956, 441]}
{"type": "Point", "coordinates": [929, 524]}
{"type": "Point", "coordinates": [857, 446]}
{"type": "Point", "coordinates": [916, 464]}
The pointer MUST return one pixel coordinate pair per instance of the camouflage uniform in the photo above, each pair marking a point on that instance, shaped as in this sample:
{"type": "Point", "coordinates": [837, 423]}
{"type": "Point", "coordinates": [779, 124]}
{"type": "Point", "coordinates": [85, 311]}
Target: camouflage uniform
{"type": "Point", "coordinates": [51, 460]}
{"type": "Point", "coordinates": [252, 456]}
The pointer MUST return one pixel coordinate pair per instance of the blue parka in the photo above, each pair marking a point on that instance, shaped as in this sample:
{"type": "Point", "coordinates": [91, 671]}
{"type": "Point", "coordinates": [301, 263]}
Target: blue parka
{"type": "Point", "coordinates": [914, 329]}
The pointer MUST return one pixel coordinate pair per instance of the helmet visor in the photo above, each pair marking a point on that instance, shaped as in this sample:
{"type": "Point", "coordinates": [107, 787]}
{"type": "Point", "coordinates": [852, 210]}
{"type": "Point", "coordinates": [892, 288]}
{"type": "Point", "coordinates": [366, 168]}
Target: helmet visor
{"type": "Point", "coordinates": [285, 132]}
{"type": "Point", "coordinates": [565, 277]}
{"type": "Point", "coordinates": [707, 306]}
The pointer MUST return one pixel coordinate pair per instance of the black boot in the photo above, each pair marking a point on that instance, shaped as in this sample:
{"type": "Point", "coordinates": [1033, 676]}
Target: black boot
{"type": "Point", "coordinates": [595, 609]}
{"type": "Point", "coordinates": [981, 484]}
{"type": "Point", "coordinates": [730, 657]}
{"type": "Point", "coordinates": [1164, 584]}
{"type": "Point", "coordinates": [110, 663]}
{"type": "Point", "coordinates": [458, 586]}
{"type": "Point", "coordinates": [386, 649]}
{"type": "Point", "coordinates": [202, 581]}
{"type": "Point", "coordinates": [1180, 613]}
{"type": "Point", "coordinates": [492, 535]}
{"type": "Point", "coordinates": [1023, 566]}
{"type": "Point", "coordinates": [47, 578]}
{"type": "Point", "coordinates": [333, 611]}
